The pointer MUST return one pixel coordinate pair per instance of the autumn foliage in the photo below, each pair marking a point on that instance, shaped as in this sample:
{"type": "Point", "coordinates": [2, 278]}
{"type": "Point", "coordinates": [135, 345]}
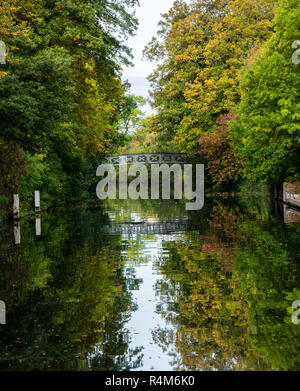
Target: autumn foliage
{"type": "Point", "coordinates": [216, 147]}
{"type": "Point", "coordinates": [219, 59]}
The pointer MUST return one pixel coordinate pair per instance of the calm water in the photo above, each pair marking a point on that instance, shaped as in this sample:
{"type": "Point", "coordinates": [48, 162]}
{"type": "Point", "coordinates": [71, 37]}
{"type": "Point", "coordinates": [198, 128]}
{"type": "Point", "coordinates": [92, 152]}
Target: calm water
{"type": "Point", "coordinates": [145, 285]}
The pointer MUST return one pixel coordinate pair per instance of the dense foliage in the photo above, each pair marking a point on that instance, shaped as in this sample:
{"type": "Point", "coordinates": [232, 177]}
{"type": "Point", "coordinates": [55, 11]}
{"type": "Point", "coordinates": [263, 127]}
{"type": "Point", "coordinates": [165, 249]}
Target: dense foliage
{"type": "Point", "coordinates": [202, 48]}
{"type": "Point", "coordinates": [267, 133]}
{"type": "Point", "coordinates": [225, 88]}
{"type": "Point", "coordinates": [60, 89]}
{"type": "Point", "coordinates": [227, 61]}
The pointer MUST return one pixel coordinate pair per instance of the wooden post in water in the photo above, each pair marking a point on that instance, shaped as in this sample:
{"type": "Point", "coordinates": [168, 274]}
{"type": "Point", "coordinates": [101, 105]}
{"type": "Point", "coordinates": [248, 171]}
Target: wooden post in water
{"type": "Point", "coordinates": [2, 312]}
{"type": "Point", "coordinates": [38, 229]}
{"type": "Point", "coordinates": [17, 232]}
{"type": "Point", "coordinates": [16, 207]}
{"type": "Point", "coordinates": [37, 202]}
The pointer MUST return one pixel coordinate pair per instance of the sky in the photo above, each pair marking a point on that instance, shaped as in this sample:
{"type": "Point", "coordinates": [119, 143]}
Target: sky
{"type": "Point", "coordinates": [148, 14]}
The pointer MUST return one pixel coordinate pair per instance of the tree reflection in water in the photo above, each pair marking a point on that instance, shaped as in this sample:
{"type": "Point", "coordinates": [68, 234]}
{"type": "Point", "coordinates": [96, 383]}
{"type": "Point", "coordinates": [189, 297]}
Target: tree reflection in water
{"type": "Point", "coordinates": [228, 294]}
{"type": "Point", "coordinates": [223, 291]}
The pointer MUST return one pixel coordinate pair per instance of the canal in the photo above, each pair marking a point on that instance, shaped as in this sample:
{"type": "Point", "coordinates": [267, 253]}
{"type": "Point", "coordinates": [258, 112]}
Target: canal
{"type": "Point", "coordinates": [146, 285]}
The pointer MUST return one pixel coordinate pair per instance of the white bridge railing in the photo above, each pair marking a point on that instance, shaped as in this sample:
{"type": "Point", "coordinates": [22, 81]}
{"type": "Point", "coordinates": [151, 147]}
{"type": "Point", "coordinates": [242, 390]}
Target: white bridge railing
{"type": "Point", "coordinates": [150, 228]}
{"type": "Point", "coordinates": [146, 158]}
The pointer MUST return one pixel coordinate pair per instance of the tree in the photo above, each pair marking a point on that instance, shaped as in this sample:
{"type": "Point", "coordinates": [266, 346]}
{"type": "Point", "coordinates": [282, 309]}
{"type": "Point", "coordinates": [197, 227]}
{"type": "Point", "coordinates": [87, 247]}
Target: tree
{"type": "Point", "coordinates": [130, 116]}
{"type": "Point", "coordinates": [61, 87]}
{"type": "Point", "coordinates": [267, 131]}
{"type": "Point", "coordinates": [216, 147]}
{"type": "Point", "coordinates": [204, 46]}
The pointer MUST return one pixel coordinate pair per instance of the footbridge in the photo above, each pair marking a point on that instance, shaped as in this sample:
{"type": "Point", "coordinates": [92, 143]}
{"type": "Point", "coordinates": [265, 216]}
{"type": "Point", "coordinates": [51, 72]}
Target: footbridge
{"type": "Point", "coordinates": [146, 158]}
{"type": "Point", "coordinates": [150, 228]}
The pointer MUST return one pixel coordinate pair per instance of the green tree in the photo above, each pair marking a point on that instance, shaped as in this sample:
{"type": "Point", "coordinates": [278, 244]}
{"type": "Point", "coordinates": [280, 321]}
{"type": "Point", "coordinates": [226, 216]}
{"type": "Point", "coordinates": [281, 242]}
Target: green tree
{"type": "Point", "coordinates": [267, 132]}
{"type": "Point", "coordinates": [130, 116]}
{"type": "Point", "coordinates": [202, 48]}
{"type": "Point", "coordinates": [61, 87]}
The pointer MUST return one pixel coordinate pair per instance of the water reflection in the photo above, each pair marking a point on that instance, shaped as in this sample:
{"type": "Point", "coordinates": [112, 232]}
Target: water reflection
{"type": "Point", "coordinates": [212, 293]}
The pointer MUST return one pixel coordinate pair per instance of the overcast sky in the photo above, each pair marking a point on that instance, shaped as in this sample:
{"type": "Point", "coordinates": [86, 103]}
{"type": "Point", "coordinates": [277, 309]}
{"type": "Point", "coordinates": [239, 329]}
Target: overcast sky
{"type": "Point", "coordinates": [148, 15]}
